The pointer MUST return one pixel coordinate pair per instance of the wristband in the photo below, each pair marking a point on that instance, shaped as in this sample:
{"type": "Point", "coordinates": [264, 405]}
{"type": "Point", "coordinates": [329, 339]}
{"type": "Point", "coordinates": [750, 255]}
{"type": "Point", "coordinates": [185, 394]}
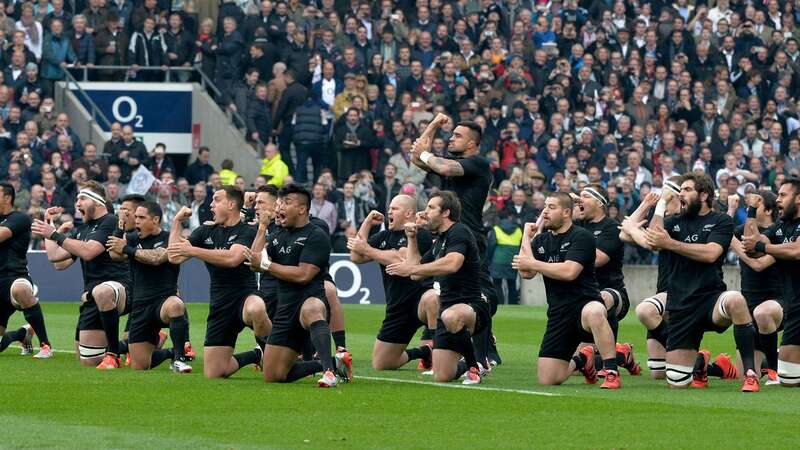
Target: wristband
{"type": "Point", "coordinates": [761, 247]}
{"type": "Point", "coordinates": [265, 262]}
{"type": "Point", "coordinates": [661, 208]}
{"type": "Point", "coordinates": [130, 251]}
{"type": "Point", "coordinates": [425, 156]}
{"type": "Point", "coordinates": [58, 238]}
{"type": "Point", "coordinates": [751, 212]}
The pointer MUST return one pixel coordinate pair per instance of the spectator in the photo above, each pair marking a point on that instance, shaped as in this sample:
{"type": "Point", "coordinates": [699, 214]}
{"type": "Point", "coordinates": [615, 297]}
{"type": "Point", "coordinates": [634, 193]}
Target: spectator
{"type": "Point", "coordinates": [503, 245]}
{"type": "Point", "coordinates": [159, 162]}
{"type": "Point", "coordinates": [407, 171]}
{"type": "Point", "coordinates": [203, 54]}
{"type": "Point", "coordinates": [352, 139]}
{"type": "Point", "coordinates": [95, 167]}
{"type": "Point", "coordinates": [229, 54]}
{"type": "Point", "coordinates": [259, 115]}
{"type": "Point", "coordinates": [350, 212]}
{"type": "Point", "coordinates": [273, 168]}
{"type": "Point", "coordinates": [310, 138]}
{"type": "Point", "coordinates": [53, 194]}
{"type": "Point", "coordinates": [56, 54]}
{"type": "Point", "coordinates": [111, 46]}
{"type": "Point", "coordinates": [82, 41]}
{"type": "Point", "coordinates": [130, 153]}
{"type": "Point", "coordinates": [322, 208]}
{"type": "Point", "coordinates": [146, 50]}
{"type": "Point", "coordinates": [294, 96]}
{"type": "Point", "coordinates": [34, 33]}
{"type": "Point", "coordinates": [201, 206]}
{"type": "Point", "coordinates": [169, 206]}
{"type": "Point", "coordinates": [199, 170]}
{"type": "Point", "coordinates": [178, 47]}
{"type": "Point", "coordinates": [227, 177]}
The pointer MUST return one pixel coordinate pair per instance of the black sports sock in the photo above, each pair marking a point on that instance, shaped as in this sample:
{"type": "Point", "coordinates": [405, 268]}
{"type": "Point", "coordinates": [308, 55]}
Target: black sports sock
{"type": "Point", "coordinates": [659, 333]}
{"type": "Point", "coordinates": [461, 368]}
{"type": "Point", "coordinates": [421, 352]}
{"type": "Point", "coordinates": [428, 333]}
{"type": "Point", "coordinates": [744, 335]}
{"type": "Point", "coordinates": [339, 339]}
{"type": "Point", "coordinates": [715, 371]}
{"type": "Point", "coordinates": [110, 321]}
{"type": "Point", "coordinates": [247, 358]}
{"type": "Point", "coordinates": [768, 343]}
{"type": "Point", "coordinates": [321, 338]}
{"type": "Point", "coordinates": [580, 361]}
{"type": "Point", "coordinates": [159, 356]}
{"type": "Point", "coordinates": [613, 322]}
{"type": "Point", "coordinates": [12, 336]}
{"type": "Point", "coordinates": [598, 360]}
{"type": "Point", "coordinates": [480, 342]}
{"type": "Point", "coordinates": [262, 341]}
{"type": "Point", "coordinates": [610, 364]}
{"type": "Point", "coordinates": [700, 364]}
{"type": "Point", "coordinates": [34, 316]}
{"type": "Point", "coordinates": [308, 351]}
{"type": "Point", "coordinates": [123, 347]}
{"type": "Point", "coordinates": [467, 348]}
{"type": "Point", "coordinates": [179, 334]}
{"type": "Point", "coordinates": [302, 369]}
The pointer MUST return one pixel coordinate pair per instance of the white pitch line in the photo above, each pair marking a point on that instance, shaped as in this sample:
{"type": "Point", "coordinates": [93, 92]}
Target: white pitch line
{"type": "Point", "coordinates": [428, 383]}
{"type": "Point", "coordinates": [459, 386]}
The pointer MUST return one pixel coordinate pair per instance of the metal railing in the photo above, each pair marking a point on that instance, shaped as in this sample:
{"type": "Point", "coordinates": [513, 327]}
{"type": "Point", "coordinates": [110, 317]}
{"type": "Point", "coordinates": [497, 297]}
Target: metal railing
{"type": "Point", "coordinates": [234, 117]}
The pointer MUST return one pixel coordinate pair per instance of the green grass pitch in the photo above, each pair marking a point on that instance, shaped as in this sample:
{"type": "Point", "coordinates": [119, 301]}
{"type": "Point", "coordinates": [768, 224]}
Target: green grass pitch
{"type": "Point", "coordinates": [59, 404]}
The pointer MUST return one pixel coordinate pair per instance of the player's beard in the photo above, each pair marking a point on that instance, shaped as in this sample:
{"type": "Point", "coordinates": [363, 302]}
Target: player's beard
{"type": "Point", "coordinates": [89, 212]}
{"type": "Point", "coordinates": [693, 208]}
{"type": "Point", "coordinates": [789, 212]}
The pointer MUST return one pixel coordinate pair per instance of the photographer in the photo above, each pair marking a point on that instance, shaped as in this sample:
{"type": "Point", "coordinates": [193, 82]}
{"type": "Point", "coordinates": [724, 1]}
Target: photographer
{"type": "Point", "coordinates": [509, 144]}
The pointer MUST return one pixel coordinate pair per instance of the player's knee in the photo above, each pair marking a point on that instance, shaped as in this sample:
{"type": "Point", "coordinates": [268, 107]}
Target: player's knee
{"type": "Point", "coordinates": [788, 373]}
{"type": "Point", "coordinates": [452, 321]}
{"type": "Point", "coordinates": [137, 364]}
{"type": "Point", "coordinates": [103, 295]}
{"type": "Point", "coordinates": [312, 311]}
{"type": "Point", "coordinates": [176, 309]}
{"type": "Point", "coordinates": [256, 310]}
{"type": "Point", "coordinates": [23, 294]}
{"type": "Point", "coordinates": [649, 310]}
{"type": "Point", "coordinates": [733, 305]}
{"type": "Point", "coordinates": [765, 320]}
{"type": "Point", "coordinates": [658, 368]}
{"type": "Point", "coordinates": [594, 314]}
{"type": "Point", "coordinates": [546, 379]}
{"type": "Point", "coordinates": [679, 376]}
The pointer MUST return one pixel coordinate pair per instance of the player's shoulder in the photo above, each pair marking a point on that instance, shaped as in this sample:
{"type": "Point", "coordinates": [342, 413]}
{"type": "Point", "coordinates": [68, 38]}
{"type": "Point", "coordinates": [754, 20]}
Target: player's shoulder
{"type": "Point", "coordinates": [720, 219]}
{"type": "Point", "coordinates": [17, 218]}
{"type": "Point", "coordinates": [320, 224]}
{"type": "Point", "coordinates": [578, 232]}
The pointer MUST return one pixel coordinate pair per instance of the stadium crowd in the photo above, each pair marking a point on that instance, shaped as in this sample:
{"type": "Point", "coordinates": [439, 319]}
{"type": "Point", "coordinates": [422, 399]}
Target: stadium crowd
{"type": "Point", "coordinates": [621, 93]}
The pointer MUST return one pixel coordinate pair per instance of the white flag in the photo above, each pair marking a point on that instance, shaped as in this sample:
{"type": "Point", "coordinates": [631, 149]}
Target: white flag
{"type": "Point", "coordinates": [141, 180]}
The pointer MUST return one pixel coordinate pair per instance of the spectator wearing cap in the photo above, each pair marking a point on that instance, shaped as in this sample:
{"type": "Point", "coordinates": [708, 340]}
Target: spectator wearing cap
{"type": "Point", "coordinates": [111, 45]}
{"type": "Point", "coordinates": [344, 99]}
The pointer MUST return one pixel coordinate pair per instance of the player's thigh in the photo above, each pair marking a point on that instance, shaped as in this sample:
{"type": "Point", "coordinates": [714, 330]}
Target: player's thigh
{"type": "Point", "coordinates": [112, 291]}
{"type": "Point", "coordinates": [728, 304]}
{"type": "Point", "coordinates": [172, 307]}
{"type": "Point", "coordinates": [445, 364]}
{"type": "Point", "coordinates": [141, 354]}
{"type": "Point", "coordinates": [385, 355]}
{"type": "Point", "coordinates": [552, 370]}
{"type": "Point", "coordinates": [216, 361]}
{"type": "Point", "coordinates": [254, 309]}
{"type": "Point", "coordinates": [91, 346]}
{"type": "Point", "coordinates": [428, 304]}
{"type": "Point", "coordinates": [278, 360]}
{"type": "Point", "coordinates": [592, 314]}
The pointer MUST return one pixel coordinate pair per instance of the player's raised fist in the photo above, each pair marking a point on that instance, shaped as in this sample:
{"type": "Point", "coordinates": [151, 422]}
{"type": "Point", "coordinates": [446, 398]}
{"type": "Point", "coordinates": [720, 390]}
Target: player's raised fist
{"type": "Point", "coordinates": [375, 217]}
{"type": "Point", "coordinates": [184, 214]}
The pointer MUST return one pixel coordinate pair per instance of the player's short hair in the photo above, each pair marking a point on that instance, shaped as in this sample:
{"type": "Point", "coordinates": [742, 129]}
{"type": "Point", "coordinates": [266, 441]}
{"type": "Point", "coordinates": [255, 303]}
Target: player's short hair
{"type": "Point", "coordinates": [136, 199]}
{"type": "Point", "coordinates": [702, 184]}
{"type": "Point", "coordinates": [477, 131]}
{"type": "Point", "coordinates": [235, 195]}
{"type": "Point", "coordinates": [564, 200]}
{"type": "Point", "coordinates": [451, 203]}
{"type": "Point", "coordinates": [95, 187]}
{"type": "Point", "coordinates": [296, 189]}
{"type": "Point", "coordinates": [8, 189]}
{"type": "Point", "coordinates": [153, 209]}
{"type": "Point", "coordinates": [795, 182]}
{"type": "Point", "coordinates": [270, 189]}
{"type": "Point", "coordinates": [769, 200]}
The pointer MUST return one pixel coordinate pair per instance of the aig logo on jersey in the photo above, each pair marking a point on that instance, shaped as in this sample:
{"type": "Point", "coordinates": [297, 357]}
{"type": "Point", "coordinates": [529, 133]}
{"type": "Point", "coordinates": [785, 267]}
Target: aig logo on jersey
{"type": "Point", "coordinates": [692, 238]}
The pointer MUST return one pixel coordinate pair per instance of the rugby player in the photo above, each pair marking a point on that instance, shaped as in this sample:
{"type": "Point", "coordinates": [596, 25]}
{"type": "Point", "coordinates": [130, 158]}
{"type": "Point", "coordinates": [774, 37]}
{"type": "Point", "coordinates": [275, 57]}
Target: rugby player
{"type": "Point", "coordinates": [782, 243]}
{"type": "Point", "coordinates": [761, 280]}
{"type": "Point", "coordinates": [235, 302]}
{"type": "Point", "coordinates": [609, 253]}
{"type": "Point", "coordinates": [106, 282]}
{"type": "Point", "coordinates": [296, 255]}
{"type": "Point", "coordinates": [697, 240]}
{"type": "Point", "coordinates": [16, 287]}
{"type": "Point", "coordinates": [155, 302]}
{"type": "Point", "coordinates": [564, 254]}
{"type": "Point", "coordinates": [409, 304]}
{"type": "Point", "coordinates": [467, 174]}
{"type": "Point", "coordinates": [454, 263]}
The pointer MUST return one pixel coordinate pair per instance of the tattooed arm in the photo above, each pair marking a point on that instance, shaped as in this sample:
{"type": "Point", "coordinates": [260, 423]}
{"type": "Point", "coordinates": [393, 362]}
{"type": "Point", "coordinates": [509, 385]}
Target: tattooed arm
{"type": "Point", "coordinates": [152, 257]}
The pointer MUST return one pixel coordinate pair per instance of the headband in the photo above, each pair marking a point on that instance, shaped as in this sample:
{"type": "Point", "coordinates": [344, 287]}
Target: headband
{"type": "Point", "coordinates": [672, 186]}
{"type": "Point", "coordinates": [596, 195]}
{"type": "Point", "coordinates": [92, 196]}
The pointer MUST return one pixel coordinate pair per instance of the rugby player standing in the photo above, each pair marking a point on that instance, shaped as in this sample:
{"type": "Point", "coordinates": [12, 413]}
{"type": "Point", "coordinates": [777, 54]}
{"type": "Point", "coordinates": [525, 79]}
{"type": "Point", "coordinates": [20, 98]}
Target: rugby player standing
{"type": "Point", "coordinates": [16, 287]}
{"type": "Point", "coordinates": [106, 282]}
{"type": "Point", "coordinates": [235, 302]}
{"type": "Point", "coordinates": [454, 263]}
{"type": "Point", "coordinates": [467, 174]}
{"type": "Point", "coordinates": [296, 255]}
{"type": "Point", "coordinates": [783, 244]}
{"type": "Point", "coordinates": [697, 240]}
{"type": "Point", "coordinates": [409, 304]}
{"type": "Point", "coordinates": [155, 302]}
{"type": "Point", "coordinates": [564, 254]}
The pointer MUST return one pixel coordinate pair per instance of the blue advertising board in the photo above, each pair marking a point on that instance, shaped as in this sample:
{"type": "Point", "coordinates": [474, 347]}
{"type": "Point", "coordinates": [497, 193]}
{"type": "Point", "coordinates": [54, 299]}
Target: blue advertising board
{"type": "Point", "coordinates": [157, 112]}
{"type": "Point", "coordinates": [355, 283]}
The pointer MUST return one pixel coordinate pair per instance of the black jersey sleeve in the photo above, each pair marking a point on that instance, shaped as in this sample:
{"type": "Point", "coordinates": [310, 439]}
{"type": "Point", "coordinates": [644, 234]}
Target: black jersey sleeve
{"type": "Point", "coordinates": [427, 257]}
{"type": "Point", "coordinates": [581, 249]}
{"type": "Point", "coordinates": [424, 241]}
{"type": "Point", "coordinates": [317, 250]}
{"type": "Point", "coordinates": [457, 241]}
{"type": "Point", "coordinates": [722, 233]}
{"type": "Point", "coordinates": [375, 240]}
{"type": "Point", "coordinates": [246, 236]}
{"type": "Point", "coordinates": [198, 236]}
{"type": "Point", "coordinates": [132, 238]}
{"type": "Point", "coordinates": [474, 166]}
{"type": "Point", "coordinates": [18, 224]}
